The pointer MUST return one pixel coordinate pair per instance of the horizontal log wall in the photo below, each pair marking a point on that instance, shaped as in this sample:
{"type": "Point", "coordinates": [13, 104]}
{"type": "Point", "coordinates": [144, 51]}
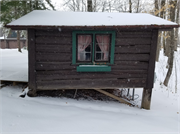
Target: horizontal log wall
{"type": "Point", "coordinates": [54, 69]}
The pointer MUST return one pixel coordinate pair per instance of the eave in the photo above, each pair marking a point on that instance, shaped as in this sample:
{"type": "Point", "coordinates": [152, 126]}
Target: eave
{"type": "Point", "coordinates": [160, 27]}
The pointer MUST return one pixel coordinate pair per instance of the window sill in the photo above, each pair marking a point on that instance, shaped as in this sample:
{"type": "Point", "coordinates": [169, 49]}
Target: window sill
{"type": "Point", "coordinates": [93, 68]}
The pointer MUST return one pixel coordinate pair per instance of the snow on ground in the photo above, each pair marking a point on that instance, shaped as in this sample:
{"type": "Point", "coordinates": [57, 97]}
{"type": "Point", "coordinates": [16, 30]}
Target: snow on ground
{"type": "Point", "coordinates": [48, 115]}
{"type": "Point", "coordinates": [13, 65]}
{"type": "Point", "coordinates": [161, 71]}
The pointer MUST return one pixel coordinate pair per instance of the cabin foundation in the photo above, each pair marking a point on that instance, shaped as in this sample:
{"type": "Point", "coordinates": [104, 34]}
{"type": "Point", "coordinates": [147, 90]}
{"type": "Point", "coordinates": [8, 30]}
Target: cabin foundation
{"type": "Point", "coordinates": [146, 98]}
{"type": "Point", "coordinates": [32, 93]}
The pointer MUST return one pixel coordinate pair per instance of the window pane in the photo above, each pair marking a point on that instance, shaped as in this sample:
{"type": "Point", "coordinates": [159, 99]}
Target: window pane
{"type": "Point", "coordinates": [102, 46]}
{"type": "Point", "coordinates": [98, 48]}
{"type": "Point", "coordinates": [99, 56]}
{"type": "Point", "coordinates": [88, 56]}
{"type": "Point", "coordinates": [84, 47]}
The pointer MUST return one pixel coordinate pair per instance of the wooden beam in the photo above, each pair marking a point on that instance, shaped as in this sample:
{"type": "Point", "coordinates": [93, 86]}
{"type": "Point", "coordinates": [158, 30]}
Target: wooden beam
{"type": "Point", "coordinates": [150, 77]}
{"type": "Point", "coordinates": [146, 98]}
{"type": "Point", "coordinates": [14, 83]}
{"type": "Point", "coordinates": [32, 93]}
{"type": "Point", "coordinates": [114, 97]}
{"type": "Point", "coordinates": [32, 61]}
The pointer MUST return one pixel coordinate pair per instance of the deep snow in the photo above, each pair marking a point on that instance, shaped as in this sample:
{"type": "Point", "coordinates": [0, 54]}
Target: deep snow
{"type": "Point", "coordinates": [13, 65]}
{"type": "Point", "coordinates": [48, 115]}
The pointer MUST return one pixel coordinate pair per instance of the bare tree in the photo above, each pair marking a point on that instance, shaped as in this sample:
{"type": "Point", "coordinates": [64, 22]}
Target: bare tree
{"type": "Point", "coordinates": [171, 45]}
{"type": "Point", "coordinates": [121, 6]}
{"type": "Point", "coordinates": [74, 5]}
{"type": "Point", "coordinates": [104, 4]}
{"type": "Point", "coordinates": [97, 5]}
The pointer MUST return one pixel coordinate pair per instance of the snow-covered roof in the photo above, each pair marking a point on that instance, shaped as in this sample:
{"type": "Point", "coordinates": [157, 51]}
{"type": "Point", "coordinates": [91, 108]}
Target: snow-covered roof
{"type": "Point", "coordinates": [59, 18]}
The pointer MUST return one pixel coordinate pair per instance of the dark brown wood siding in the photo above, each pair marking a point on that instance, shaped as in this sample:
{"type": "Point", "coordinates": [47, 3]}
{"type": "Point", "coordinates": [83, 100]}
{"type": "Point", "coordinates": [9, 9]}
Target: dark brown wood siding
{"type": "Point", "coordinates": [32, 59]}
{"type": "Point", "coordinates": [54, 69]}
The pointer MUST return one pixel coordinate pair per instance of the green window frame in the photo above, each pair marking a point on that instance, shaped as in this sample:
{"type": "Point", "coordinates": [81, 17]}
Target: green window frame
{"type": "Point", "coordinates": [101, 66]}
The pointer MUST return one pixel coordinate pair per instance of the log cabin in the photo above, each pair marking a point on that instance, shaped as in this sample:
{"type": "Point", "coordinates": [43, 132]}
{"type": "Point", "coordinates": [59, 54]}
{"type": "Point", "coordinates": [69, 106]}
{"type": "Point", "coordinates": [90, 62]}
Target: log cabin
{"type": "Point", "coordinates": [91, 50]}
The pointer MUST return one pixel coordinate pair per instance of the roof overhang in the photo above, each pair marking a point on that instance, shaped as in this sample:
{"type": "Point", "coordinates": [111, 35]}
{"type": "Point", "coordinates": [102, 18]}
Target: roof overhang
{"type": "Point", "coordinates": [45, 19]}
{"type": "Point", "coordinates": [160, 27]}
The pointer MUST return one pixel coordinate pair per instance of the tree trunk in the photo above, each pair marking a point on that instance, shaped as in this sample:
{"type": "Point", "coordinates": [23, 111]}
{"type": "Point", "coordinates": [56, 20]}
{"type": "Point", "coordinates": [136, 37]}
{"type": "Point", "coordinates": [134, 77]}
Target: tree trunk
{"type": "Point", "coordinates": [171, 45]}
{"type": "Point", "coordinates": [137, 10]}
{"type": "Point", "coordinates": [159, 37]}
{"type": "Point", "coordinates": [156, 11]}
{"type": "Point", "coordinates": [36, 4]}
{"type": "Point", "coordinates": [177, 29]}
{"type": "Point", "coordinates": [5, 41]}
{"type": "Point", "coordinates": [89, 4]}
{"type": "Point", "coordinates": [176, 38]}
{"type": "Point", "coordinates": [110, 6]}
{"type": "Point", "coordinates": [164, 42]}
{"type": "Point", "coordinates": [162, 15]}
{"type": "Point", "coordinates": [130, 6]}
{"type": "Point", "coordinates": [30, 5]}
{"type": "Point", "coordinates": [168, 41]}
{"type": "Point", "coordinates": [18, 41]}
{"type": "Point", "coordinates": [5, 38]}
{"type": "Point", "coordinates": [104, 6]}
{"type": "Point", "coordinates": [27, 39]}
{"type": "Point", "coordinates": [170, 60]}
{"type": "Point", "coordinates": [168, 35]}
{"type": "Point", "coordinates": [18, 32]}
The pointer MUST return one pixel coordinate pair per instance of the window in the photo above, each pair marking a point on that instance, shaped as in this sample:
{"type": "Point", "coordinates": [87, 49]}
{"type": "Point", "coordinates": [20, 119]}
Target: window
{"type": "Point", "coordinates": [102, 47]}
{"type": "Point", "coordinates": [84, 47]}
{"type": "Point", "coordinates": [93, 48]}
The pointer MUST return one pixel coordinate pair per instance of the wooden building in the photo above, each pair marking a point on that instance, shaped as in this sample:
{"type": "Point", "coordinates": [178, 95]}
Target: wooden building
{"type": "Point", "coordinates": [87, 50]}
{"type": "Point", "coordinates": [10, 42]}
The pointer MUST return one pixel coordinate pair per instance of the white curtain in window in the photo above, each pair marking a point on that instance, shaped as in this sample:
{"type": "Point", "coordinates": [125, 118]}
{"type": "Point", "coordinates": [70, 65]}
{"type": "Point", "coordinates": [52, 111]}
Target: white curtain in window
{"type": "Point", "coordinates": [83, 42]}
{"type": "Point", "coordinates": [103, 43]}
